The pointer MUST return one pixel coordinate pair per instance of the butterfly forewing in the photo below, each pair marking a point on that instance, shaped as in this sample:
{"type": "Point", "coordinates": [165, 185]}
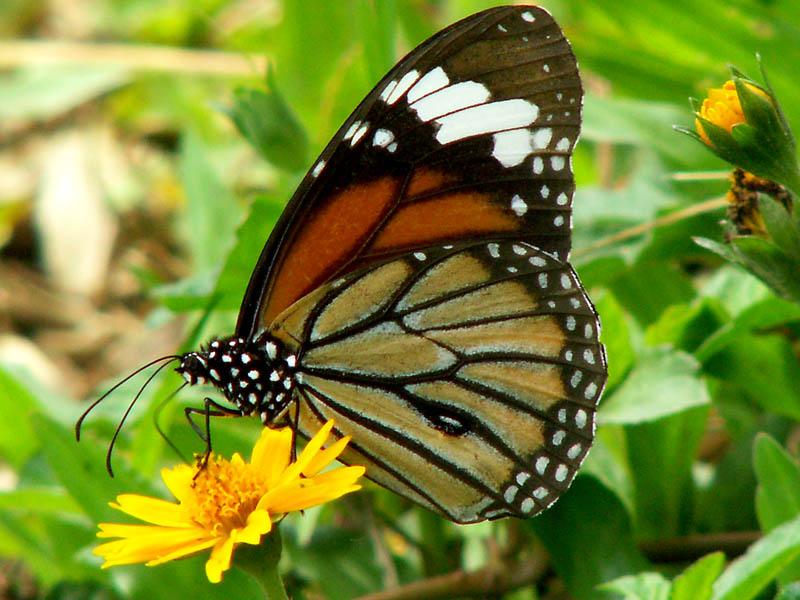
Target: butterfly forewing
{"type": "Point", "coordinates": [468, 137]}
{"type": "Point", "coordinates": [467, 375]}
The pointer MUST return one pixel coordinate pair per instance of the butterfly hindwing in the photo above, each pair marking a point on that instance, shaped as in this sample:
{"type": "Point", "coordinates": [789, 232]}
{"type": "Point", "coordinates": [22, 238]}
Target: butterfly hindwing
{"type": "Point", "coordinates": [468, 137]}
{"type": "Point", "coordinates": [467, 375]}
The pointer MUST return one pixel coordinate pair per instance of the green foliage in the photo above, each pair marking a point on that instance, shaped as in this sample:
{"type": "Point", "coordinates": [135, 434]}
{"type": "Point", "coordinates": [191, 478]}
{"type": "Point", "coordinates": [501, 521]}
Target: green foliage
{"type": "Point", "coordinates": [703, 357]}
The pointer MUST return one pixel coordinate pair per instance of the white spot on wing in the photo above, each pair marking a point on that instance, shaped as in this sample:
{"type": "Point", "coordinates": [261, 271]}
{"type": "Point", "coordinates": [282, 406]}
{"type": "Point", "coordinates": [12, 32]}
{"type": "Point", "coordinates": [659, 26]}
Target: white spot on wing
{"type": "Point", "coordinates": [352, 130]}
{"type": "Point", "coordinates": [400, 88]}
{"type": "Point", "coordinates": [430, 82]}
{"type": "Point", "coordinates": [486, 118]}
{"type": "Point", "coordinates": [512, 147]}
{"type": "Point", "coordinates": [557, 162]}
{"type": "Point", "coordinates": [359, 133]}
{"type": "Point", "coordinates": [562, 199]}
{"type": "Point", "coordinates": [518, 205]}
{"type": "Point", "coordinates": [451, 99]}
{"type": "Point", "coordinates": [527, 16]}
{"type": "Point", "coordinates": [382, 138]}
{"type": "Point", "coordinates": [318, 168]}
{"type": "Point", "coordinates": [510, 493]}
{"type": "Point", "coordinates": [541, 138]}
{"type": "Point", "coordinates": [562, 145]}
{"type": "Point", "coordinates": [494, 250]}
{"type": "Point", "coordinates": [538, 165]}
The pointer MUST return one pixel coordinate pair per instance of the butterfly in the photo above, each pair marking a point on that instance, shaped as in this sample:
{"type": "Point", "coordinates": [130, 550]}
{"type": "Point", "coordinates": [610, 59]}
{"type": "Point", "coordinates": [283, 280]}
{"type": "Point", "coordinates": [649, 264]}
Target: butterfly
{"type": "Point", "coordinates": [416, 288]}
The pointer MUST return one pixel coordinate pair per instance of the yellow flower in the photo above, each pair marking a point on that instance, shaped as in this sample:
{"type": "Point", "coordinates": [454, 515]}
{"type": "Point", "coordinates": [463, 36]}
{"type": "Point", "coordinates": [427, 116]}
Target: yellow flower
{"type": "Point", "coordinates": [227, 502]}
{"type": "Point", "coordinates": [722, 108]}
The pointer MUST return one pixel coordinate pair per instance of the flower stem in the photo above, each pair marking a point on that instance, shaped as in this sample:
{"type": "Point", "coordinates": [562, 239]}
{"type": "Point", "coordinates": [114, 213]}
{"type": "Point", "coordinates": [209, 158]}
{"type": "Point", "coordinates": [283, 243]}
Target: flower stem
{"type": "Point", "coordinates": [261, 562]}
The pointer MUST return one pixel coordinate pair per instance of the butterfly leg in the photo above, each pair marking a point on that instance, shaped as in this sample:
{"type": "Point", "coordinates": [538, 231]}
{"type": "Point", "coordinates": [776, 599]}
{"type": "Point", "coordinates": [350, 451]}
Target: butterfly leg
{"type": "Point", "coordinates": [210, 409]}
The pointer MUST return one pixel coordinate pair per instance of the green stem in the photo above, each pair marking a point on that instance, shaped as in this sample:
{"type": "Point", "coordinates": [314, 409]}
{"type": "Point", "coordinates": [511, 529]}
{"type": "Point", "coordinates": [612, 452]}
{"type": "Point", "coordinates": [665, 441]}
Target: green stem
{"type": "Point", "coordinates": [261, 562]}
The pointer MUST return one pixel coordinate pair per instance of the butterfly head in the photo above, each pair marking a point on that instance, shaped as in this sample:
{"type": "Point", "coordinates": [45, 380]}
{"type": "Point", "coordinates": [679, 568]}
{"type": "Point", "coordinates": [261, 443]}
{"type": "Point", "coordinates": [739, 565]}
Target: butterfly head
{"type": "Point", "coordinates": [255, 378]}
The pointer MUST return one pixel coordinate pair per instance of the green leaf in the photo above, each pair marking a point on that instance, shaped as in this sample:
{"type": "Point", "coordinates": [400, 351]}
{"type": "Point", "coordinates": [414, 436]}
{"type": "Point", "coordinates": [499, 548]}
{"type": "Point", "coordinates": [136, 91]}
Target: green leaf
{"type": "Point", "coordinates": [597, 546]}
{"type": "Point", "coordinates": [770, 264]}
{"type": "Point", "coordinates": [377, 29]}
{"type": "Point", "coordinates": [80, 467]}
{"type": "Point", "coordinates": [790, 592]}
{"type": "Point", "coordinates": [615, 335]}
{"type": "Point", "coordinates": [765, 367]}
{"type": "Point", "coordinates": [696, 582]}
{"type": "Point", "coordinates": [646, 296]}
{"type": "Point", "coordinates": [39, 500]}
{"type": "Point", "coordinates": [643, 586]}
{"type": "Point", "coordinates": [664, 382]}
{"type": "Point", "coordinates": [47, 92]}
{"type": "Point", "coordinates": [780, 225]}
{"type": "Point", "coordinates": [250, 239]}
{"type": "Point", "coordinates": [778, 492]}
{"type": "Point", "coordinates": [213, 213]}
{"type": "Point", "coordinates": [763, 561]}
{"type": "Point", "coordinates": [269, 124]}
{"type": "Point", "coordinates": [661, 455]}
{"type": "Point", "coordinates": [17, 438]}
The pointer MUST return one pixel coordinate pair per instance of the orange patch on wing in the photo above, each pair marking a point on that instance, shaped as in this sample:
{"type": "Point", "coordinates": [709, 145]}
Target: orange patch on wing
{"type": "Point", "coordinates": [327, 240]}
{"type": "Point", "coordinates": [444, 218]}
{"type": "Point", "coordinates": [425, 180]}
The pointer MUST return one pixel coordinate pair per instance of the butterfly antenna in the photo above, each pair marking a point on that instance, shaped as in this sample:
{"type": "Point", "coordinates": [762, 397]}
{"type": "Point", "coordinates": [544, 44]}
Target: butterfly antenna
{"type": "Point", "coordinates": [85, 414]}
{"type": "Point", "coordinates": [128, 411]}
{"type": "Point", "coordinates": [160, 431]}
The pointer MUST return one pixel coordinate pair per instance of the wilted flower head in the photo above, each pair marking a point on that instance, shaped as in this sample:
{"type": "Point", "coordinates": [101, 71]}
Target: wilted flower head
{"type": "Point", "coordinates": [227, 502]}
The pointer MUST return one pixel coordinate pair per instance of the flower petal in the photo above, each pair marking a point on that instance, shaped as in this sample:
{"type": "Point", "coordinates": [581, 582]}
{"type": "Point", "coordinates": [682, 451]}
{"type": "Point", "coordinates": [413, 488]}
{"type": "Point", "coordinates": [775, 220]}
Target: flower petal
{"type": "Point", "coordinates": [305, 493]}
{"type": "Point", "coordinates": [148, 543]}
{"type": "Point", "coordinates": [325, 457]}
{"type": "Point", "coordinates": [153, 510]}
{"type": "Point", "coordinates": [312, 447]}
{"type": "Point", "coordinates": [272, 453]}
{"type": "Point", "coordinates": [258, 523]}
{"type": "Point", "coordinates": [179, 480]}
{"type": "Point", "coordinates": [220, 560]}
{"type": "Point", "coordinates": [184, 551]}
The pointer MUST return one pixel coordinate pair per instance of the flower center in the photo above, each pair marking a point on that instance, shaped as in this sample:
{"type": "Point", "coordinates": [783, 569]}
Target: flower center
{"type": "Point", "coordinates": [224, 495]}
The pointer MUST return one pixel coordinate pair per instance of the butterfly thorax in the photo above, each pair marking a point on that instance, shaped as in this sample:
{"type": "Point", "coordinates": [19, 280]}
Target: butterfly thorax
{"type": "Point", "coordinates": [255, 378]}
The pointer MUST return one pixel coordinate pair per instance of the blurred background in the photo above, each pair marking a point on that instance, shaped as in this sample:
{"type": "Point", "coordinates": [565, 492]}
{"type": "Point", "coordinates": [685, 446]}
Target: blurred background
{"type": "Point", "coordinates": [125, 192]}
